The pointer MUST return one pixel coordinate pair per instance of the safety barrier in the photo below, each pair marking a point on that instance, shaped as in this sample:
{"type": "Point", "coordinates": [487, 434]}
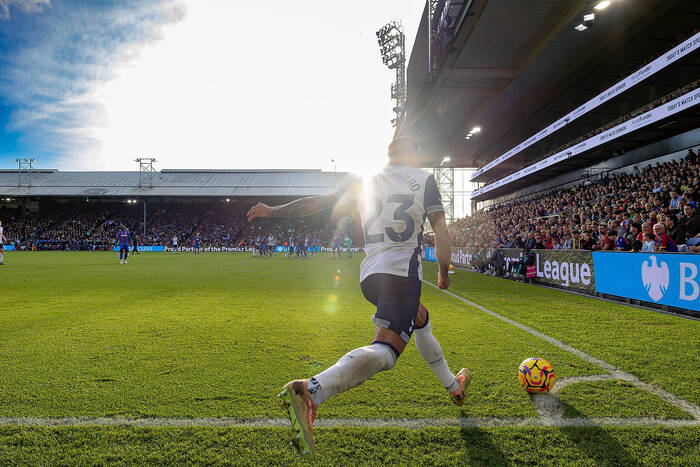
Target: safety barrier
{"type": "Point", "coordinates": [665, 279]}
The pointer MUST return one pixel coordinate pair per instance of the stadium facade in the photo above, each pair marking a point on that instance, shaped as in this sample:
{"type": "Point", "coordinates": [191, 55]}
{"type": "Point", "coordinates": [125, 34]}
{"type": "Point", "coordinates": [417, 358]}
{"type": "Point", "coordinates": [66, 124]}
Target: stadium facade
{"type": "Point", "coordinates": [168, 183]}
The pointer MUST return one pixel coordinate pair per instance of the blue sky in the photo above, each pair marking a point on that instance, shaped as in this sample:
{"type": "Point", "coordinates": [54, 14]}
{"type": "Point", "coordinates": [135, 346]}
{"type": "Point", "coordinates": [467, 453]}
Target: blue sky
{"type": "Point", "coordinates": [196, 83]}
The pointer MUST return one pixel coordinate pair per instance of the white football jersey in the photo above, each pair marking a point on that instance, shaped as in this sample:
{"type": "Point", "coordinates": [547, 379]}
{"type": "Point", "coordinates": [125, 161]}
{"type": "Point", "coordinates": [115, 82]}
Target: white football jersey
{"type": "Point", "coordinates": [393, 207]}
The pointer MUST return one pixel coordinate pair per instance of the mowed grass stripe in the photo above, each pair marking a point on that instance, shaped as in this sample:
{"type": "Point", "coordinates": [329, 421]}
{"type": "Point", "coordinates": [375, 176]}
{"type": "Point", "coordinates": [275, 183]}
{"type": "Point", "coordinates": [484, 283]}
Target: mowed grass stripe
{"type": "Point", "coordinates": [413, 424]}
{"type": "Point", "coordinates": [587, 446]}
{"type": "Point", "coordinates": [616, 372]}
{"type": "Point", "coordinates": [219, 334]}
{"type": "Point", "coordinates": [663, 350]}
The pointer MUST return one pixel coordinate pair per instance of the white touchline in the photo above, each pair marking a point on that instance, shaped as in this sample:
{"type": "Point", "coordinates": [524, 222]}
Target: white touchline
{"type": "Point", "coordinates": [413, 424]}
{"type": "Point", "coordinates": [616, 372]}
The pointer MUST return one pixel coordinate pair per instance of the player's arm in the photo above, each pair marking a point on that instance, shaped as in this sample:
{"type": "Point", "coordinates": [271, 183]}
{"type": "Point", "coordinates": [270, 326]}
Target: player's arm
{"type": "Point", "coordinates": [297, 208]}
{"type": "Point", "coordinates": [443, 247]}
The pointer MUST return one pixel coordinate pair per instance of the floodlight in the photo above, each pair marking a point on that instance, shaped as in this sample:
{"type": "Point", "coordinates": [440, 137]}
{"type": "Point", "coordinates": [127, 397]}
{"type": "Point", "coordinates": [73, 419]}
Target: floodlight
{"type": "Point", "coordinates": [581, 27]}
{"type": "Point", "coordinates": [602, 5]}
{"type": "Point", "coordinates": [476, 129]}
{"type": "Point", "coordinates": [588, 17]}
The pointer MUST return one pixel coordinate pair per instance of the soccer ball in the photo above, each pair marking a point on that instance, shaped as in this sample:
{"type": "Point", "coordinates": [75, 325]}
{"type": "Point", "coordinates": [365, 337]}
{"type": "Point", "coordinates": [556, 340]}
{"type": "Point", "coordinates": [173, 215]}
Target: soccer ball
{"type": "Point", "coordinates": [536, 375]}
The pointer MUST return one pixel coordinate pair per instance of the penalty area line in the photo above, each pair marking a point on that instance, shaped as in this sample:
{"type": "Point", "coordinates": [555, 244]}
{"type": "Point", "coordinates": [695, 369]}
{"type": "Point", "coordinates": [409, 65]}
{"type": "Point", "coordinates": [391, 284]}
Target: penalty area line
{"type": "Point", "coordinates": [406, 423]}
{"type": "Point", "coordinates": [682, 404]}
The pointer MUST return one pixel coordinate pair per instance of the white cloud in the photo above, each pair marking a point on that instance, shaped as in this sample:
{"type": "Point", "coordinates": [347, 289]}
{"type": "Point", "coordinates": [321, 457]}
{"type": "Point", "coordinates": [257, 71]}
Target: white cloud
{"type": "Point", "coordinates": [29, 6]}
{"type": "Point", "coordinates": [228, 85]}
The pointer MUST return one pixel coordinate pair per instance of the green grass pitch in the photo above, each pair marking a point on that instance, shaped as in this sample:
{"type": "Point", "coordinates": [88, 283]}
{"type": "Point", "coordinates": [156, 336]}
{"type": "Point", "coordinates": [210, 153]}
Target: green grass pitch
{"type": "Point", "coordinates": [217, 335]}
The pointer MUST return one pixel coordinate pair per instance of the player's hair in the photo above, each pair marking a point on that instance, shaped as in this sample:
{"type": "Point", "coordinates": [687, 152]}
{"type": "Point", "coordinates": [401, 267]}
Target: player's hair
{"type": "Point", "coordinates": [401, 145]}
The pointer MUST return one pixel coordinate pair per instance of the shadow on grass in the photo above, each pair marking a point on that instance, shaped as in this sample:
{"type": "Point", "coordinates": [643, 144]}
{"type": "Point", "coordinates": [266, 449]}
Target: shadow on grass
{"type": "Point", "coordinates": [481, 447]}
{"type": "Point", "coordinates": [596, 442]}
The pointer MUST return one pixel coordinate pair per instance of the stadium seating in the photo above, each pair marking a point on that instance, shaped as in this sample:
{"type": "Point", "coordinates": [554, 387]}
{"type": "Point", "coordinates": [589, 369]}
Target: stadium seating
{"type": "Point", "coordinates": [626, 204]}
{"type": "Point", "coordinates": [81, 225]}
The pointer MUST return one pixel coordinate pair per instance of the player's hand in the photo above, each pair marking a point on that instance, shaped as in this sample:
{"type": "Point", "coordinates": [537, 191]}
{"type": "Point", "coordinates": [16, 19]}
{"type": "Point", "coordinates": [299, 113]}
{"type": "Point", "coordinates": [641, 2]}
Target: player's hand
{"type": "Point", "coordinates": [443, 280]}
{"type": "Point", "coordinates": [259, 210]}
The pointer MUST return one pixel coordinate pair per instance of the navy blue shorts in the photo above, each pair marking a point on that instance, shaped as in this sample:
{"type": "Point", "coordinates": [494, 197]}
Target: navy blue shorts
{"type": "Point", "coordinates": [396, 298]}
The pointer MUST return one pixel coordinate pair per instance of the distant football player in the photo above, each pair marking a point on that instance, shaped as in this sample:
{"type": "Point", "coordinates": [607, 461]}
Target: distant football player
{"type": "Point", "coordinates": [271, 245]}
{"type": "Point", "coordinates": [348, 245]}
{"type": "Point", "coordinates": [291, 247]}
{"type": "Point", "coordinates": [336, 244]}
{"type": "Point", "coordinates": [123, 243]}
{"type": "Point", "coordinates": [3, 240]}
{"type": "Point", "coordinates": [393, 207]}
{"type": "Point", "coordinates": [175, 248]}
{"type": "Point", "coordinates": [197, 243]}
{"type": "Point", "coordinates": [135, 244]}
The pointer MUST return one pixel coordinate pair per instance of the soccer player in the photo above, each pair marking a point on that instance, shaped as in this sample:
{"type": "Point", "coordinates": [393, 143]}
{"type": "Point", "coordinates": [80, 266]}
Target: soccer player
{"type": "Point", "coordinates": [135, 242]}
{"type": "Point", "coordinates": [3, 240]}
{"type": "Point", "coordinates": [312, 245]}
{"type": "Point", "coordinates": [305, 247]}
{"type": "Point", "coordinates": [271, 245]}
{"type": "Point", "coordinates": [348, 244]}
{"type": "Point", "coordinates": [123, 242]}
{"type": "Point", "coordinates": [393, 206]}
{"type": "Point", "coordinates": [197, 240]}
{"type": "Point", "coordinates": [175, 248]}
{"type": "Point", "coordinates": [336, 244]}
{"type": "Point", "coordinates": [291, 246]}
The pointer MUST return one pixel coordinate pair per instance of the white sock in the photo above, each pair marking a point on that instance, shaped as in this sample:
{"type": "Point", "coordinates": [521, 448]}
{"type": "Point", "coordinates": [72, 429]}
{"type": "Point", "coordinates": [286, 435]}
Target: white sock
{"type": "Point", "coordinates": [1, 256]}
{"type": "Point", "coordinates": [431, 352]}
{"type": "Point", "coordinates": [353, 369]}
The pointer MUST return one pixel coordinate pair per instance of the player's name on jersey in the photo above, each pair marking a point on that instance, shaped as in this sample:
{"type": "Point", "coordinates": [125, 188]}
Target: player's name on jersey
{"type": "Point", "coordinates": [410, 182]}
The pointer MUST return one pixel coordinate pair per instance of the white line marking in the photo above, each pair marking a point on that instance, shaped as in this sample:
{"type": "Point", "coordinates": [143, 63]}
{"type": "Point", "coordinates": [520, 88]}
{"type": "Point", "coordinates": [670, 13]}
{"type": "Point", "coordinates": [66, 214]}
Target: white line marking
{"type": "Point", "coordinates": [616, 372]}
{"type": "Point", "coordinates": [413, 424]}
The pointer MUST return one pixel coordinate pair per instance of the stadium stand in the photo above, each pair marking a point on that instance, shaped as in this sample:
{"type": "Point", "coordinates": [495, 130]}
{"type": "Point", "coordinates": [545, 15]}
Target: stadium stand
{"type": "Point", "coordinates": [81, 225]}
{"type": "Point", "coordinates": [583, 217]}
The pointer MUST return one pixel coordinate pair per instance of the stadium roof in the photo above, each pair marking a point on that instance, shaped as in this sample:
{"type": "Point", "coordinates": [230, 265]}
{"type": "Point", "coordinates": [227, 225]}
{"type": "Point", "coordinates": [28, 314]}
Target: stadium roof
{"type": "Point", "coordinates": [513, 67]}
{"type": "Point", "coordinates": [170, 183]}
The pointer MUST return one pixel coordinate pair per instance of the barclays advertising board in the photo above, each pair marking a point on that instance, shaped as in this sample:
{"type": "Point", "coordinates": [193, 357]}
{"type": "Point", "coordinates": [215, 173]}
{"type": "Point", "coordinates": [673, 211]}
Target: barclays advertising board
{"type": "Point", "coordinates": [142, 248]}
{"type": "Point", "coordinates": [667, 279]}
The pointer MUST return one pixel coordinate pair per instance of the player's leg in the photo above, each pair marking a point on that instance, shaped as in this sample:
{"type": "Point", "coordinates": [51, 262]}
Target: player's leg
{"type": "Point", "coordinates": [301, 398]}
{"type": "Point", "coordinates": [2, 255]}
{"type": "Point", "coordinates": [121, 254]}
{"type": "Point", "coordinates": [430, 350]}
{"type": "Point", "coordinates": [126, 253]}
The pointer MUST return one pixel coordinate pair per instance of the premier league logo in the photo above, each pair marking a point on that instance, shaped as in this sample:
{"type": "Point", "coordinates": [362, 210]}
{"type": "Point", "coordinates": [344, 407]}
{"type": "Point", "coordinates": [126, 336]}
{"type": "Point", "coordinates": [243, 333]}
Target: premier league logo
{"type": "Point", "coordinates": [655, 278]}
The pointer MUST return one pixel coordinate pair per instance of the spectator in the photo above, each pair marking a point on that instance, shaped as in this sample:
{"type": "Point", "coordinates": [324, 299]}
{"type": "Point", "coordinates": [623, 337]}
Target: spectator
{"type": "Point", "coordinates": [648, 244]}
{"type": "Point", "coordinates": [604, 241]}
{"type": "Point", "coordinates": [538, 242]}
{"type": "Point", "coordinates": [587, 242]}
{"type": "Point", "coordinates": [691, 224]}
{"type": "Point", "coordinates": [662, 241]}
{"type": "Point", "coordinates": [675, 200]}
{"type": "Point", "coordinates": [674, 229]}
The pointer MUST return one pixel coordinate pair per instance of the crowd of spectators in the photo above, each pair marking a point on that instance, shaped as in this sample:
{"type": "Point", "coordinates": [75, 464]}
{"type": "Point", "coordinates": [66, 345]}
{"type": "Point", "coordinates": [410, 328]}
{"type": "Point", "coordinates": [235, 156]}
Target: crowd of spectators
{"type": "Point", "coordinates": [653, 209]}
{"type": "Point", "coordinates": [81, 225]}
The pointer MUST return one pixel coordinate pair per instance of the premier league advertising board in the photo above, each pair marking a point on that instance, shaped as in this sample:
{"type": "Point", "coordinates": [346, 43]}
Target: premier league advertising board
{"type": "Point", "coordinates": [664, 278]}
{"type": "Point", "coordinates": [570, 269]}
{"type": "Point", "coordinates": [573, 269]}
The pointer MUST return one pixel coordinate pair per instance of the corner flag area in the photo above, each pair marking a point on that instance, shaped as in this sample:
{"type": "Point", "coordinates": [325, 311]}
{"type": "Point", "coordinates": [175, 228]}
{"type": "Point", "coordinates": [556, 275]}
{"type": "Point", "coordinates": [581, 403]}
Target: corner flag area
{"type": "Point", "coordinates": [179, 358]}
